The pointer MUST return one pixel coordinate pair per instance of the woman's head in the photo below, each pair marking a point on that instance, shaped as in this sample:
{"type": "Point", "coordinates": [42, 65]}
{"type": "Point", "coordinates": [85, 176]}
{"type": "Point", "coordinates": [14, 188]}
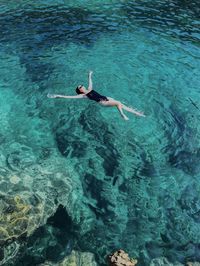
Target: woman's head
{"type": "Point", "coordinates": [80, 89]}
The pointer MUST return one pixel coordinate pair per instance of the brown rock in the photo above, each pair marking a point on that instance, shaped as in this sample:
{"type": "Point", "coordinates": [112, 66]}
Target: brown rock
{"type": "Point", "coordinates": [120, 258]}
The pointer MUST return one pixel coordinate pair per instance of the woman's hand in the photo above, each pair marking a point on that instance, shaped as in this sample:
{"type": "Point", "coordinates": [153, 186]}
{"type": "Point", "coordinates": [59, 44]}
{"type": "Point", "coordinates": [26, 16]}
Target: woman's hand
{"type": "Point", "coordinates": [90, 72]}
{"type": "Point", "coordinates": [52, 95]}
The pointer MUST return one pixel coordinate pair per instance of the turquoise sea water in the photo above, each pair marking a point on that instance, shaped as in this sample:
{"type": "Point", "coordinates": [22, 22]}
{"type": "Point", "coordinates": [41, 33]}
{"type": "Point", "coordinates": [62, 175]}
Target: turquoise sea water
{"type": "Point", "coordinates": [74, 175]}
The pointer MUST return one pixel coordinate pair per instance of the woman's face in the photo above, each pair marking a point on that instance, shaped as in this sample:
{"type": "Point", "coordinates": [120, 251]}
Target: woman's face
{"type": "Point", "coordinates": [82, 89]}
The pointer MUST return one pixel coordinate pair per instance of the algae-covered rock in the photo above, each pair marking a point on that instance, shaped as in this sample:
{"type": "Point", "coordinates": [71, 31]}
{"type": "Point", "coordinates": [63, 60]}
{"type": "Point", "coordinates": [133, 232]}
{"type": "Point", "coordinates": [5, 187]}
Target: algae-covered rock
{"type": "Point", "coordinates": [20, 215]}
{"type": "Point", "coordinates": [30, 196]}
{"type": "Point", "coordinates": [192, 263]}
{"type": "Point", "coordinates": [17, 217]}
{"type": "Point", "coordinates": [76, 258]}
{"type": "Point", "coordinates": [121, 258]}
{"type": "Point", "coordinates": [9, 253]}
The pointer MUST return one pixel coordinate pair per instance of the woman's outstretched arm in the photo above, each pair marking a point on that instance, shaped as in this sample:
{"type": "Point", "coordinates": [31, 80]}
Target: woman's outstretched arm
{"type": "Point", "coordinates": [66, 97]}
{"type": "Point", "coordinates": [90, 81]}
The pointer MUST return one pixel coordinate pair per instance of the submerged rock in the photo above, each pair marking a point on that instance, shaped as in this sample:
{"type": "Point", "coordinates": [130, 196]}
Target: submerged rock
{"type": "Point", "coordinates": [18, 216]}
{"type": "Point", "coordinates": [76, 258]}
{"type": "Point", "coordinates": [121, 258]}
{"type": "Point", "coordinates": [163, 262]}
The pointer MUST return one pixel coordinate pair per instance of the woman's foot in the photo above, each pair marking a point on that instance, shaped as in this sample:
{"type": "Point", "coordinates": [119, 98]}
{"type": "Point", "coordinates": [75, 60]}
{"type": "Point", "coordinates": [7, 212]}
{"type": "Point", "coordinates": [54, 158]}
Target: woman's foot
{"type": "Point", "coordinates": [140, 114]}
{"type": "Point", "coordinates": [125, 117]}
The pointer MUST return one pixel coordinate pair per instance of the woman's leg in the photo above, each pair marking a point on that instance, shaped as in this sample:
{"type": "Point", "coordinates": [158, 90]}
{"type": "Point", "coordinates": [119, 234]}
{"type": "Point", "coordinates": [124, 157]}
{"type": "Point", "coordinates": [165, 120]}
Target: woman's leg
{"type": "Point", "coordinates": [131, 110]}
{"type": "Point", "coordinates": [128, 109]}
{"type": "Point", "coordinates": [112, 102]}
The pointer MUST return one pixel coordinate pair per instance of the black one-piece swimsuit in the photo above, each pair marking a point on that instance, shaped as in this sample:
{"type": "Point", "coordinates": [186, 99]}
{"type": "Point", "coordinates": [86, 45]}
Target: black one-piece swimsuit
{"type": "Point", "coordinates": [95, 96]}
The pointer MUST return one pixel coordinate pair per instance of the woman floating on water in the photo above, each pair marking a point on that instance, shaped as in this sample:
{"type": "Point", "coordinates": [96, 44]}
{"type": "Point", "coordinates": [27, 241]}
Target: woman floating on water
{"type": "Point", "coordinates": [91, 94]}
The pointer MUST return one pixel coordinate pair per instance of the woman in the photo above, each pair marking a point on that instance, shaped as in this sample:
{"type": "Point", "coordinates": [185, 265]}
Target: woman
{"type": "Point", "coordinates": [91, 94]}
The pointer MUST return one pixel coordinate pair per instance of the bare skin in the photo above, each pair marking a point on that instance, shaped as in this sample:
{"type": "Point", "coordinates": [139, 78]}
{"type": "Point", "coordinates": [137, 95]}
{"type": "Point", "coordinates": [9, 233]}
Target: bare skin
{"type": "Point", "coordinates": [110, 103]}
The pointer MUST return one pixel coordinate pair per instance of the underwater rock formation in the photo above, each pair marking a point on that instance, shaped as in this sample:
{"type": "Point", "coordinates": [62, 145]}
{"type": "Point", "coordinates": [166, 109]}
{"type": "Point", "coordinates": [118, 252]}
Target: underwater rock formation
{"type": "Point", "coordinates": [121, 258]}
{"type": "Point", "coordinates": [163, 262]}
{"type": "Point", "coordinates": [76, 258]}
{"type": "Point", "coordinates": [32, 195]}
{"type": "Point", "coordinates": [19, 217]}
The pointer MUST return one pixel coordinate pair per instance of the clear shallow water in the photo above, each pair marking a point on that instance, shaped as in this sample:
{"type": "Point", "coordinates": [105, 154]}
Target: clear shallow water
{"type": "Point", "coordinates": [131, 185]}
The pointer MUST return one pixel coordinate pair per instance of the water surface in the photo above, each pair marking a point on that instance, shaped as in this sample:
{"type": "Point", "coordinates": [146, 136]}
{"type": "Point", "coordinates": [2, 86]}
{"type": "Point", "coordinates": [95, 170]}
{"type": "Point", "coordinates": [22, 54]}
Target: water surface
{"type": "Point", "coordinates": [131, 185]}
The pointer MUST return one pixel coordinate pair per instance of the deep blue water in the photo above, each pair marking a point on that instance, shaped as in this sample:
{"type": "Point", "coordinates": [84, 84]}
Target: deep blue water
{"type": "Point", "coordinates": [74, 175]}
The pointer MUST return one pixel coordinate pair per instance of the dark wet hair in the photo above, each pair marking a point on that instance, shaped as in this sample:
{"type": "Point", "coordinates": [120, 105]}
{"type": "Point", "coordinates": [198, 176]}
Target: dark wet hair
{"type": "Point", "coordinates": [78, 89]}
